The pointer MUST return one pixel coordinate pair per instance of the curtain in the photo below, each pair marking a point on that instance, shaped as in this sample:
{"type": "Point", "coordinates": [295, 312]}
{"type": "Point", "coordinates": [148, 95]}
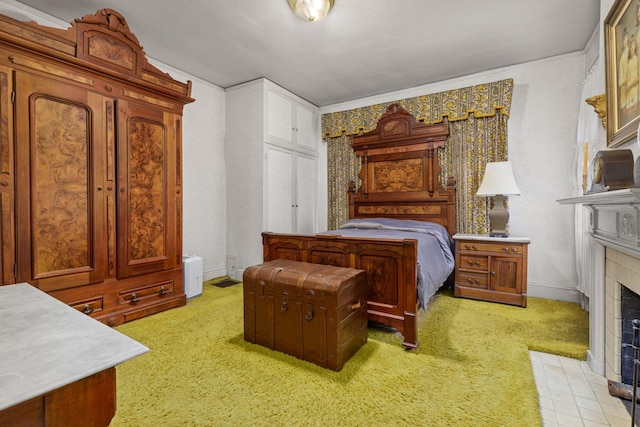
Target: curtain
{"type": "Point", "coordinates": [477, 134]}
{"type": "Point", "coordinates": [343, 166]}
{"type": "Point", "coordinates": [588, 142]}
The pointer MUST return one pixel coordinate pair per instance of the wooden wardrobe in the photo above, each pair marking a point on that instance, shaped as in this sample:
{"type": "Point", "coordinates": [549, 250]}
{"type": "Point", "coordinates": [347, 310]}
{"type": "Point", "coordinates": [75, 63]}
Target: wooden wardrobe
{"type": "Point", "coordinates": [90, 168]}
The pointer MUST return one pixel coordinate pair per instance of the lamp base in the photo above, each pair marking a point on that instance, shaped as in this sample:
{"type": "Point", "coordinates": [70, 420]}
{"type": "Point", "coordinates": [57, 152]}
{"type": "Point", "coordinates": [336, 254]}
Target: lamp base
{"type": "Point", "coordinates": [498, 217]}
{"type": "Point", "coordinates": [498, 234]}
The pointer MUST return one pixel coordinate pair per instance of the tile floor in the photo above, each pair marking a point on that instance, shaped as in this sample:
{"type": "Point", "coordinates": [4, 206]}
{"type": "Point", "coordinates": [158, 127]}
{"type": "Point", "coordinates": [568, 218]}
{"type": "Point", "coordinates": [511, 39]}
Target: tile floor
{"type": "Point", "coordinates": [571, 395]}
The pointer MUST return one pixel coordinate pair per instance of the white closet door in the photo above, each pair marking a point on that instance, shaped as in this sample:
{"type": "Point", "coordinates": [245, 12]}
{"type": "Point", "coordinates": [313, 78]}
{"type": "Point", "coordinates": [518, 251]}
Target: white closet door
{"type": "Point", "coordinates": [305, 128]}
{"type": "Point", "coordinates": [279, 190]}
{"type": "Point", "coordinates": [279, 120]}
{"type": "Point", "coordinates": [305, 194]}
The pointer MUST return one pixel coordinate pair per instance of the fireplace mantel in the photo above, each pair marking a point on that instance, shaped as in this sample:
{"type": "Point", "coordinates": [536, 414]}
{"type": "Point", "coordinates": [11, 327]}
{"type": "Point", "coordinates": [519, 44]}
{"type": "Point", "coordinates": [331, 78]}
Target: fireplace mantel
{"type": "Point", "coordinates": [614, 218]}
{"type": "Point", "coordinates": [613, 222]}
{"type": "Point", "coordinates": [625, 196]}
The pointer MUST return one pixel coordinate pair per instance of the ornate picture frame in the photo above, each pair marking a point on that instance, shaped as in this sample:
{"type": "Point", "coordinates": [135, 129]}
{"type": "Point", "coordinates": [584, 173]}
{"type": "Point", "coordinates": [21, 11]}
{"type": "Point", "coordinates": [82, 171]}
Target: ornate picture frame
{"type": "Point", "coordinates": [622, 71]}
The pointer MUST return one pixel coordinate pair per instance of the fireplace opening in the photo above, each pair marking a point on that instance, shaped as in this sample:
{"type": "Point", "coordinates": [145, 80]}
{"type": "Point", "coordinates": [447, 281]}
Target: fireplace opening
{"type": "Point", "coordinates": [630, 310]}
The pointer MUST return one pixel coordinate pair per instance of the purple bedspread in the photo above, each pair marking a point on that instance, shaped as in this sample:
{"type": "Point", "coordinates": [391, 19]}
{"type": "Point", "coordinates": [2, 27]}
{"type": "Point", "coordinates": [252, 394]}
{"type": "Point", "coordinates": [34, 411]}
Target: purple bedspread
{"type": "Point", "coordinates": [435, 255]}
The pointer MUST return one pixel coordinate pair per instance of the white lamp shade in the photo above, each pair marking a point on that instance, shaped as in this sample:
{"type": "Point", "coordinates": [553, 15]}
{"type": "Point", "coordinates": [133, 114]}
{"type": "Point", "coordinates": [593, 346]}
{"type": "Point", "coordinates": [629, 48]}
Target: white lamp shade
{"type": "Point", "coordinates": [498, 179]}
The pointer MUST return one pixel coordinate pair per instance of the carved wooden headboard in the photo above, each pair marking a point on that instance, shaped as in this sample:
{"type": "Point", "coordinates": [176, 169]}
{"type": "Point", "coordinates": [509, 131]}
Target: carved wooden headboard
{"type": "Point", "coordinates": [399, 175]}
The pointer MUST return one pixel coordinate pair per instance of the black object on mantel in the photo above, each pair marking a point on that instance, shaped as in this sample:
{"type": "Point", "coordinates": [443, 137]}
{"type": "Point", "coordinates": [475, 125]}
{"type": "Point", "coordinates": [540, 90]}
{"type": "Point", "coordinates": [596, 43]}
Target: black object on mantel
{"type": "Point", "coordinates": [635, 323]}
{"type": "Point", "coordinates": [612, 170]}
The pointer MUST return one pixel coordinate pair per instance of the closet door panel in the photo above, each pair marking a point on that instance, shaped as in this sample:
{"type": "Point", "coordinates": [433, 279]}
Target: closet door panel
{"type": "Point", "coordinates": [279, 119]}
{"type": "Point", "coordinates": [60, 185]}
{"type": "Point", "coordinates": [306, 130]}
{"type": "Point", "coordinates": [305, 194]}
{"type": "Point", "coordinates": [146, 207]}
{"type": "Point", "coordinates": [279, 203]}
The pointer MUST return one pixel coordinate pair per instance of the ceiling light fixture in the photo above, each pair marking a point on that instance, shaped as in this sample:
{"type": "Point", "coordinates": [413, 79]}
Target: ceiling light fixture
{"type": "Point", "coordinates": [311, 10]}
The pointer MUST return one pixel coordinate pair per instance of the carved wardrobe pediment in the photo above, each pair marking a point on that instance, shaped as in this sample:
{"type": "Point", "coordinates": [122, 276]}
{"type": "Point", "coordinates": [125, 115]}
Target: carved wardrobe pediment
{"type": "Point", "coordinates": [101, 42]}
{"type": "Point", "coordinates": [106, 37]}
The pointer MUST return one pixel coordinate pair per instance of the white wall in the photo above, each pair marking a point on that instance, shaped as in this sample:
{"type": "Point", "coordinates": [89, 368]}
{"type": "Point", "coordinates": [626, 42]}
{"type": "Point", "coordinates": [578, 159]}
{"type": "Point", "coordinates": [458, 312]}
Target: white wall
{"type": "Point", "coordinates": [204, 196]}
{"type": "Point", "coordinates": [203, 163]}
{"type": "Point", "coordinates": [542, 132]}
{"type": "Point", "coordinates": [245, 175]}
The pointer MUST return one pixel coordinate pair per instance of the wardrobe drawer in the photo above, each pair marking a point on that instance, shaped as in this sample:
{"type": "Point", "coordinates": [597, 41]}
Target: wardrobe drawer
{"type": "Point", "coordinates": [156, 307]}
{"type": "Point", "coordinates": [146, 293]}
{"type": "Point", "coordinates": [90, 305]}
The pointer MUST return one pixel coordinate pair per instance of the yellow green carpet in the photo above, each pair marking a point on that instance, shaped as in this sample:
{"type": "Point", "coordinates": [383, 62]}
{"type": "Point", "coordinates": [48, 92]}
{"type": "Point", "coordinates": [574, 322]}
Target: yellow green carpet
{"type": "Point", "coordinates": [472, 368]}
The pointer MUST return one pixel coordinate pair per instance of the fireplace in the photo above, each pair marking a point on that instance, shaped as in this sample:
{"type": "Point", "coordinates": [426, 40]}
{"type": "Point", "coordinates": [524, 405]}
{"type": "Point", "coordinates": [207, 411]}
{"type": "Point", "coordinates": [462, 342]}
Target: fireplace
{"type": "Point", "coordinates": [611, 256]}
{"type": "Point", "coordinates": [622, 305]}
{"type": "Point", "coordinates": [630, 310]}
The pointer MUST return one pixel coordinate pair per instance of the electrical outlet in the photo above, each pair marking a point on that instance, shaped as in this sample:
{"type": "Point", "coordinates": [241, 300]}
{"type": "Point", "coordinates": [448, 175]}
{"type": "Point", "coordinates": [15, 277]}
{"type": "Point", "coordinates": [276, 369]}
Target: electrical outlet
{"type": "Point", "coordinates": [232, 265]}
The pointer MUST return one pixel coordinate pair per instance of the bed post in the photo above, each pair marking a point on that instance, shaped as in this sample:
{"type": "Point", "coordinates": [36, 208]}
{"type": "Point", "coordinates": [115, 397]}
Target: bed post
{"type": "Point", "coordinates": [410, 318]}
{"type": "Point", "coordinates": [350, 192]}
{"type": "Point", "coordinates": [451, 202]}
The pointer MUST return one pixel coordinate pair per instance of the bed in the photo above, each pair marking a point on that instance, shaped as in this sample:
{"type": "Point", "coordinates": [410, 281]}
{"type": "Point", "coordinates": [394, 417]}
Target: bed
{"type": "Point", "coordinates": [398, 204]}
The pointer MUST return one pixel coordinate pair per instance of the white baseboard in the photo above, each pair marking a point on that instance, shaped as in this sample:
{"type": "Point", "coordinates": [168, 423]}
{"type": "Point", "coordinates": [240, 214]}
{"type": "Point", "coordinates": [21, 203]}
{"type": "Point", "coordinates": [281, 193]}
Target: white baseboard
{"type": "Point", "coordinates": [553, 292]}
{"type": "Point", "coordinates": [214, 273]}
{"type": "Point", "coordinates": [596, 364]}
{"type": "Point", "coordinates": [533, 289]}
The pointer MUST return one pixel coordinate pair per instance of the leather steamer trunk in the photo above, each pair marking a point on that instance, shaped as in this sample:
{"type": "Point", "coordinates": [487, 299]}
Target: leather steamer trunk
{"type": "Point", "coordinates": [314, 312]}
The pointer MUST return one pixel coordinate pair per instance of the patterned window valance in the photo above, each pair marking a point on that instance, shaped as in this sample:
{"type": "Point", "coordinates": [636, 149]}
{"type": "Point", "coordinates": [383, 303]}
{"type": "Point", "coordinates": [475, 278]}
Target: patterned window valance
{"type": "Point", "coordinates": [482, 100]}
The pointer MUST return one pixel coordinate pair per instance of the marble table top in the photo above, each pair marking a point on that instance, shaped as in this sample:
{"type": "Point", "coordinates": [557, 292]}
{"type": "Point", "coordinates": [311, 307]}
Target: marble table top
{"type": "Point", "coordinates": [45, 344]}
{"type": "Point", "coordinates": [509, 239]}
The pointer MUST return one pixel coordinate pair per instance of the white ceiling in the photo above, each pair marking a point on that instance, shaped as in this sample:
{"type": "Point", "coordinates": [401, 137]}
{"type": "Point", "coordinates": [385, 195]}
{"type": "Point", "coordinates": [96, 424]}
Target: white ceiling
{"type": "Point", "coordinates": [363, 48]}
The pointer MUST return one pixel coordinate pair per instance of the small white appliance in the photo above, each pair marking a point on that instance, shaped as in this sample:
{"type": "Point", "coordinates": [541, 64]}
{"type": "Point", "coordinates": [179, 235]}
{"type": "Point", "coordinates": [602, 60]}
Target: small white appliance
{"type": "Point", "coordinates": [192, 275]}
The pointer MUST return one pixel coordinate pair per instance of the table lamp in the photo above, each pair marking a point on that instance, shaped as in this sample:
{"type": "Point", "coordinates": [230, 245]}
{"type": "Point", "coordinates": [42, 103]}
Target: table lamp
{"type": "Point", "coordinates": [498, 182]}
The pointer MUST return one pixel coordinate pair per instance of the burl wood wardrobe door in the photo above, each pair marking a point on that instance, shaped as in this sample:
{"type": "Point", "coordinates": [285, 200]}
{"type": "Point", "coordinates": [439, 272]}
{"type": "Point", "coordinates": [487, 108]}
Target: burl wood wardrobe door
{"type": "Point", "coordinates": [61, 162]}
{"type": "Point", "coordinates": [7, 197]}
{"type": "Point", "coordinates": [149, 191]}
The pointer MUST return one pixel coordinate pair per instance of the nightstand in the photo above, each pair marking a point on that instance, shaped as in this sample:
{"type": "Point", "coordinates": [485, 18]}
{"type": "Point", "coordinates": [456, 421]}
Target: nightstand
{"type": "Point", "coordinates": [491, 268]}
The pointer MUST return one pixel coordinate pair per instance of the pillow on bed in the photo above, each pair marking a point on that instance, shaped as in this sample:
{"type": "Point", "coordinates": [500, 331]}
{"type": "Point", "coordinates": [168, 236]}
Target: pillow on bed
{"type": "Point", "coordinates": [400, 225]}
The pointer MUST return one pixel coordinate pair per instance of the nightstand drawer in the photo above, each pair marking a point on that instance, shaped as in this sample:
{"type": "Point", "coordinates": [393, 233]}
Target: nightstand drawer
{"type": "Point", "coordinates": [468, 262]}
{"type": "Point", "coordinates": [475, 280]}
{"type": "Point", "coordinates": [506, 248]}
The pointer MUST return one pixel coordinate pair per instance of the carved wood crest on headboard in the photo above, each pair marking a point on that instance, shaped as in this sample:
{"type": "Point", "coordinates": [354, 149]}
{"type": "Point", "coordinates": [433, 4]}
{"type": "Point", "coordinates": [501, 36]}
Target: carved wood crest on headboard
{"type": "Point", "coordinates": [399, 175]}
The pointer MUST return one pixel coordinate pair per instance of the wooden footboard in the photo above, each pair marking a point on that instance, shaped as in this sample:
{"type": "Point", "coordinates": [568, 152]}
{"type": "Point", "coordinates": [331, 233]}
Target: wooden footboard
{"type": "Point", "coordinates": [391, 266]}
